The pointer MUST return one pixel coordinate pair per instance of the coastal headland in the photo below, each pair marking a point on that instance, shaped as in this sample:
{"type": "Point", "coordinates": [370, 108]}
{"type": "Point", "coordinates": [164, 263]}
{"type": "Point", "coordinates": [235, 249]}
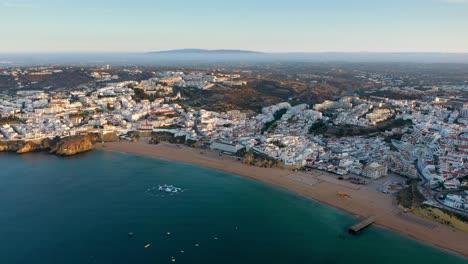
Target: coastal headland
{"type": "Point", "coordinates": [65, 146]}
{"type": "Point", "coordinates": [321, 186]}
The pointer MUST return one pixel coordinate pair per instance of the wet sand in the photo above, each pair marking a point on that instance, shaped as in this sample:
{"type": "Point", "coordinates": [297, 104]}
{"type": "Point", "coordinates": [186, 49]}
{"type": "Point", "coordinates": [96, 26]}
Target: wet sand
{"type": "Point", "coordinates": [322, 187]}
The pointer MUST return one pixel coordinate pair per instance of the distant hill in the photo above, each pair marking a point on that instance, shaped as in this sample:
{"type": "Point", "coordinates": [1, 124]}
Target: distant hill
{"type": "Point", "coordinates": [226, 55]}
{"type": "Point", "coordinates": [204, 51]}
{"type": "Point", "coordinates": [194, 56]}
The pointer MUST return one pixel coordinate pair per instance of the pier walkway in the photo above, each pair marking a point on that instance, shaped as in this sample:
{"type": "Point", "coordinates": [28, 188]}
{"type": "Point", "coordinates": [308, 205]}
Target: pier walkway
{"type": "Point", "coordinates": [361, 225]}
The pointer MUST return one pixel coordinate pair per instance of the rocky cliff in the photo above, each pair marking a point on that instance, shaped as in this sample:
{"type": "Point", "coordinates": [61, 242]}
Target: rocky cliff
{"type": "Point", "coordinates": [107, 137]}
{"type": "Point", "coordinates": [60, 146]}
{"type": "Point", "coordinates": [72, 145]}
{"type": "Point", "coordinates": [20, 146]}
{"type": "Point", "coordinates": [64, 147]}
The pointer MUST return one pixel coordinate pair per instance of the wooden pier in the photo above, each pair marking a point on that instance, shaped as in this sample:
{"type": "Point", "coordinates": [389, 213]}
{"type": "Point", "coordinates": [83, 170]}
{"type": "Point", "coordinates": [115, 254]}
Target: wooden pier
{"type": "Point", "coordinates": [361, 225]}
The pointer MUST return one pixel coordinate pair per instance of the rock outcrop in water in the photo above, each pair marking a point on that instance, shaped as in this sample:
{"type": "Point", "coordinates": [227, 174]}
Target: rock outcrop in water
{"type": "Point", "coordinates": [72, 146]}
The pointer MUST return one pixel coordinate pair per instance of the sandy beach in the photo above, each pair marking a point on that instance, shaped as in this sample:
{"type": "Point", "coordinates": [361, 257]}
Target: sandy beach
{"type": "Point", "coordinates": [321, 186]}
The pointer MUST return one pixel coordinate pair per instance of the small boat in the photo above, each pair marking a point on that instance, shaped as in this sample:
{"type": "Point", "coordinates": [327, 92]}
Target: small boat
{"type": "Point", "coordinates": [130, 234]}
{"type": "Point", "coordinates": [169, 188]}
{"type": "Point", "coordinates": [148, 245]}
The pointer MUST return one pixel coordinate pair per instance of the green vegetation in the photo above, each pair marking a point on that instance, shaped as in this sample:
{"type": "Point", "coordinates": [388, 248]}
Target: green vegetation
{"type": "Point", "coordinates": [410, 197]}
{"type": "Point", "coordinates": [278, 144]}
{"type": "Point", "coordinates": [11, 120]}
{"type": "Point", "coordinates": [167, 136]}
{"type": "Point", "coordinates": [411, 181]}
{"type": "Point", "coordinates": [318, 127]}
{"type": "Point", "coordinates": [258, 159]}
{"type": "Point", "coordinates": [464, 179]}
{"type": "Point", "coordinates": [184, 91]}
{"type": "Point", "coordinates": [110, 107]}
{"type": "Point", "coordinates": [268, 125]}
{"type": "Point", "coordinates": [134, 135]}
{"type": "Point", "coordinates": [444, 216]}
{"type": "Point", "coordinates": [105, 96]}
{"type": "Point", "coordinates": [278, 114]}
{"type": "Point", "coordinates": [171, 138]}
{"type": "Point", "coordinates": [141, 95]}
{"type": "Point", "coordinates": [272, 124]}
{"type": "Point", "coordinates": [168, 127]}
{"type": "Point", "coordinates": [395, 123]}
{"type": "Point", "coordinates": [388, 139]}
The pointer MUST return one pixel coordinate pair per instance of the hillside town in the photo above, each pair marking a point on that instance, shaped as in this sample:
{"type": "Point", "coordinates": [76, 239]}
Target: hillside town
{"type": "Point", "coordinates": [358, 138]}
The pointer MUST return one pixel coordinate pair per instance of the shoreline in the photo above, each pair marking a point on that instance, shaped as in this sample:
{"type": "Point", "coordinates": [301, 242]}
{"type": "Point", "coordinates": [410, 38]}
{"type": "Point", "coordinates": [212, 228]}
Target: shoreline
{"type": "Point", "coordinates": [323, 188]}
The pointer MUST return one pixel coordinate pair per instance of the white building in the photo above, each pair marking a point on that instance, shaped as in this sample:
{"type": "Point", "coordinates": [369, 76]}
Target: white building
{"type": "Point", "coordinates": [226, 147]}
{"type": "Point", "coordinates": [374, 171]}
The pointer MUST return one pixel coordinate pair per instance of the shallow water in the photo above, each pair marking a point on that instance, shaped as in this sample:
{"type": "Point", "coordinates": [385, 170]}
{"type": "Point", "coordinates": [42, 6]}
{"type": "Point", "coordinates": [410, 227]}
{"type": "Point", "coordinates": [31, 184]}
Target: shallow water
{"type": "Point", "coordinates": [81, 209]}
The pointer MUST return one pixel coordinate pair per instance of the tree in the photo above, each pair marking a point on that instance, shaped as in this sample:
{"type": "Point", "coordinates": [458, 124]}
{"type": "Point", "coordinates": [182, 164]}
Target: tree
{"type": "Point", "coordinates": [110, 107]}
{"type": "Point", "coordinates": [340, 132]}
{"type": "Point", "coordinates": [318, 127]}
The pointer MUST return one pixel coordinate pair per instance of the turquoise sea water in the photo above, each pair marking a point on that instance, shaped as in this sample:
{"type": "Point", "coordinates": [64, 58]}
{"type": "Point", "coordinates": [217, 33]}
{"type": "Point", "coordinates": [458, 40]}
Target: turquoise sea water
{"type": "Point", "coordinates": [80, 210]}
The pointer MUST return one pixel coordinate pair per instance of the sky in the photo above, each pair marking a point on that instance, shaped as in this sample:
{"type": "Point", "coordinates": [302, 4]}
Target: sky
{"type": "Point", "coordinates": [44, 26]}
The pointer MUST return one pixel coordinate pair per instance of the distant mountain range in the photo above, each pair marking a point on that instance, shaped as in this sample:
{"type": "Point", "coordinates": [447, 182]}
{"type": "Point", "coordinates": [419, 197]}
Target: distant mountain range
{"type": "Point", "coordinates": [205, 51]}
{"type": "Point", "coordinates": [226, 55]}
{"type": "Point", "coordinates": [195, 56]}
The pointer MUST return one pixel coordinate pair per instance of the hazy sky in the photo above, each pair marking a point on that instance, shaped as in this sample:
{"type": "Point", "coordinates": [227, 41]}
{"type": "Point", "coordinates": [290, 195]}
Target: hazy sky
{"type": "Point", "coordinates": [262, 25]}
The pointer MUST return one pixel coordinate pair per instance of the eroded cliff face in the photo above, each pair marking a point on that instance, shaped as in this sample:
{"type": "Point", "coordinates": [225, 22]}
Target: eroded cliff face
{"type": "Point", "coordinates": [64, 147]}
{"type": "Point", "coordinates": [108, 137]}
{"type": "Point", "coordinates": [72, 146]}
{"type": "Point", "coordinates": [20, 146]}
{"type": "Point", "coordinates": [29, 147]}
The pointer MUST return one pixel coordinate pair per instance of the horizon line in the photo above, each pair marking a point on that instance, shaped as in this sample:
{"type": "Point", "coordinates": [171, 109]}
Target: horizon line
{"type": "Point", "coordinates": [244, 50]}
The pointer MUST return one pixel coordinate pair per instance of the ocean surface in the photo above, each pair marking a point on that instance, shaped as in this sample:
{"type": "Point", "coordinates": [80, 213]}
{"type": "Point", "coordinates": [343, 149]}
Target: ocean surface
{"type": "Point", "coordinates": [81, 209]}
